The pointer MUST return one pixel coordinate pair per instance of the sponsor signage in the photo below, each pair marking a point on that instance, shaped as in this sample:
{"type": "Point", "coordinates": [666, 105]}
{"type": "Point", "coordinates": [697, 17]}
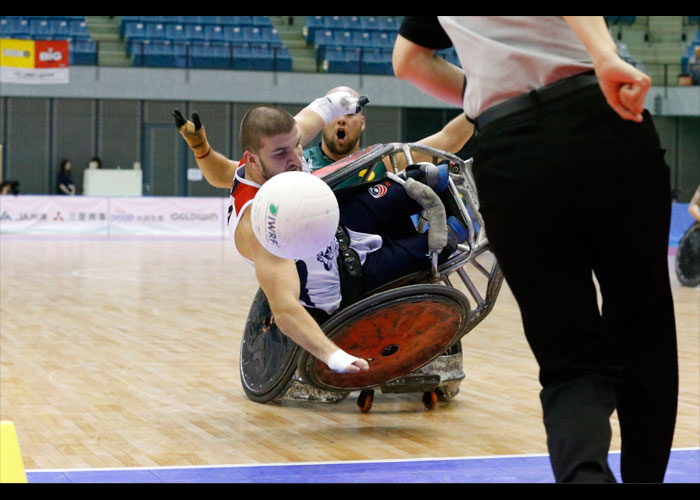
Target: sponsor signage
{"type": "Point", "coordinates": [34, 61]}
{"type": "Point", "coordinates": [113, 216]}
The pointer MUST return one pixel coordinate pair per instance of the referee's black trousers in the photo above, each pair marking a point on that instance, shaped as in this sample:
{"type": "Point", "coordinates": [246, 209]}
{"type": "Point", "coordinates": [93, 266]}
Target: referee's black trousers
{"type": "Point", "coordinates": [572, 194]}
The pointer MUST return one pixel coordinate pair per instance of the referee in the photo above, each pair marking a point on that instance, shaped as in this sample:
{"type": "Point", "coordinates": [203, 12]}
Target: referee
{"type": "Point", "coordinates": [562, 149]}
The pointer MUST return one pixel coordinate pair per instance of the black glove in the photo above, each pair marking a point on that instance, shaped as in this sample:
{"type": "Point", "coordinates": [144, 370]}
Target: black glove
{"type": "Point", "coordinates": [180, 120]}
{"type": "Point", "coordinates": [362, 101]}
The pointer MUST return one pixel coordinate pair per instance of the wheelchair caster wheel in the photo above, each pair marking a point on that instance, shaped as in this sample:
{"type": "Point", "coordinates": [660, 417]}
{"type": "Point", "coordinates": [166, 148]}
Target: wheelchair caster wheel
{"type": "Point", "coordinates": [430, 399]}
{"type": "Point", "coordinates": [365, 400]}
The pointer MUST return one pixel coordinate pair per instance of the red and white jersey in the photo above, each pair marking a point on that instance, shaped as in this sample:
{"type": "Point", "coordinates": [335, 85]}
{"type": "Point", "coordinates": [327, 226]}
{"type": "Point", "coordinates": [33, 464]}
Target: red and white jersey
{"type": "Point", "coordinates": [318, 276]}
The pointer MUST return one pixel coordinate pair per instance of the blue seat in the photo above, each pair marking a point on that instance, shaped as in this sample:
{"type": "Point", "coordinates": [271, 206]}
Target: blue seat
{"type": "Point", "coordinates": [343, 60]}
{"type": "Point", "coordinates": [5, 28]}
{"type": "Point", "coordinates": [283, 60]}
{"type": "Point", "coordinates": [134, 30]}
{"type": "Point", "coordinates": [261, 57]}
{"type": "Point", "coordinates": [244, 21]}
{"type": "Point", "coordinates": [242, 57]}
{"type": "Point", "coordinates": [213, 33]}
{"type": "Point", "coordinates": [334, 60]}
{"type": "Point", "coordinates": [252, 34]}
{"type": "Point", "coordinates": [212, 55]}
{"type": "Point", "coordinates": [383, 39]}
{"type": "Point", "coordinates": [207, 20]}
{"type": "Point", "coordinates": [343, 38]}
{"type": "Point", "coordinates": [312, 24]}
{"type": "Point", "coordinates": [164, 54]}
{"type": "Point", "coordinates": [233, 34]}
{"type": "Point", "coordinates": [18, 27]}
{"type": "Point", "coordinates": [155, 31]}
{"type": "Point", "coordinates": [261, 21]}
{"type": "Point", "coordinates": [83, 52]}
{"type": "Point", "coordinates": [362, 39]}
{"type": "Point", "coordinates": [352, 23]}
{"type": "Point", "coordinates": [194, 33]}
{"type": "Point", "coordinates": [258, 57]}
{"type": "Point", "coordinates": [39, 28]}
{"type": "Point", "coordinates": [189, 19]}
{"type": "Point", "coordinates": [60, 28]}
{"type": "Point", "coordinates": [175, 32]}
{"type": "Point", "coordinates": [155, 19]}
{"type": "Point", "coordinates": [78, 29]}
{"type": "Point", "coordinates": [376, 62]}
{"type": "Point", "coordinates": [369, 23]}
{"type": "Point", "coordinates": [388, 24]}
{"type": "Point", "coordinates": [226, 20]}
{"type": "Point", "coordinates": [324, 38]}
{"type": "Point", "coordinates": [334, 22]}
{"type": "Point", "coordinates": [271, 36]}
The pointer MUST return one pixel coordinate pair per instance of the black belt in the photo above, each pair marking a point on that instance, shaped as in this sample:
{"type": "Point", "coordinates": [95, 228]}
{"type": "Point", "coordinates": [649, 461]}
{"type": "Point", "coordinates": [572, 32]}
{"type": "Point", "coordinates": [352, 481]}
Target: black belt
{"type": "Point", "coordinates": [529, 101]}
{"type": "Point", "coordinates": [350, 269]}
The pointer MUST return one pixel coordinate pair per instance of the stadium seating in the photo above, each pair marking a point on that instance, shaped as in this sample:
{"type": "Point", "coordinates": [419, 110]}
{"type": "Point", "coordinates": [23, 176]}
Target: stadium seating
{"type": "Point", "coordinates": [357, 44]}
{"type": "Point", "coordinates": [621, 19]}
{"type": "Point", "coordinates": [83, 50]}
{"type": "Point", "coordinates": [214, 42]}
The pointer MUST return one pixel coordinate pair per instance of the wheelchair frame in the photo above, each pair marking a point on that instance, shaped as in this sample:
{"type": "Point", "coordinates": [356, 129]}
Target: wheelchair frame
{"type": "Point", "coordinates": [443, 374]}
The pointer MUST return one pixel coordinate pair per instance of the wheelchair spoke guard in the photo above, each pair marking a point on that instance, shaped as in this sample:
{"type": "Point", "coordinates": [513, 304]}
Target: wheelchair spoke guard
{"type": "Point", "coordinates": [398, 331]}
{"type": "Point", "coordinates": [268, 356]}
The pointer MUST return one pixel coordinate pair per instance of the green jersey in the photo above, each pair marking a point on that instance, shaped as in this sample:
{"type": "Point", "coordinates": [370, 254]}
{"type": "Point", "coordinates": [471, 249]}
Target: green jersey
{"type": "Point", "coordinates": [316, 158]}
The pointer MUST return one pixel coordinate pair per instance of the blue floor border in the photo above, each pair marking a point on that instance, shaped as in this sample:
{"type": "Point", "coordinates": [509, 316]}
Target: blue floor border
{"type": "Point", "coordinates": [684, 467]}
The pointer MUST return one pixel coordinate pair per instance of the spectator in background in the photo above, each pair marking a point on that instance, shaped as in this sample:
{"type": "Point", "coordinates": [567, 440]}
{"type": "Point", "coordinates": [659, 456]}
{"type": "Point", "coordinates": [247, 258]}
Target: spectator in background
{"type": "Point", "coordinates": [64, 180]}
{"type": "Point", "coordinates": [694, 205]}
{"type": "Point", "coordinates": [694, 66]}
{"type": "Point", "coordinates": [95, 163]}
{"type": "Point", "coordinates": [9, 187]}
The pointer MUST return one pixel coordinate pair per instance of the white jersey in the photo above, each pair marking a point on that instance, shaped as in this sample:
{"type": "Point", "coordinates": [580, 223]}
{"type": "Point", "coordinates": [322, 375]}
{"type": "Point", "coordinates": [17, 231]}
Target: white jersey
{"type": "Point", "coordinates": [505, 56]}
{"type": "Point", "coordinates": [319, 276]}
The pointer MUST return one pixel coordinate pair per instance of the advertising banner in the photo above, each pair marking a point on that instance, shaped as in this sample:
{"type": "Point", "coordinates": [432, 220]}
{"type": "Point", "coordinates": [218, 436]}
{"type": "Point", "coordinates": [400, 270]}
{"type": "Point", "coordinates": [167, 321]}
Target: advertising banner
{"type": "Point", "coordinates": [28, 214]}
{"type": "Point", "coordinates": [34, 61]}
{"type": "Point", "coordinates": [113, 216]}
{"type": "Point", "coordinates": [166, 216]}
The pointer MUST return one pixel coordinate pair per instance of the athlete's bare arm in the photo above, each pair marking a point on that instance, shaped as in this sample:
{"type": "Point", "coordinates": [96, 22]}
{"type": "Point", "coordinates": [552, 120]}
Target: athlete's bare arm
{"type": "Point", "coordinates": [279, 280]}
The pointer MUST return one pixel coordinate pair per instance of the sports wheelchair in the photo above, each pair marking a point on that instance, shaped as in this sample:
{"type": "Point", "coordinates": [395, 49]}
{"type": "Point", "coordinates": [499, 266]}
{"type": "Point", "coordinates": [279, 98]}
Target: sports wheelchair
{"type": "Point", "coordinates": [688, 256]}
{"type": "Point", "coordinates": [409, 330]}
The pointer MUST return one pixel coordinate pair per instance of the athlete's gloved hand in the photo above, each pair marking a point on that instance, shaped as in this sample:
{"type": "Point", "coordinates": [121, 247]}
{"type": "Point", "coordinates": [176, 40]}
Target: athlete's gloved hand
{"type": "Point", "coordinates": [342, 362]}
{"type": "Point", "coordinates": [193, 133]}
{"type": "Point", "coordinates": [331, 106]}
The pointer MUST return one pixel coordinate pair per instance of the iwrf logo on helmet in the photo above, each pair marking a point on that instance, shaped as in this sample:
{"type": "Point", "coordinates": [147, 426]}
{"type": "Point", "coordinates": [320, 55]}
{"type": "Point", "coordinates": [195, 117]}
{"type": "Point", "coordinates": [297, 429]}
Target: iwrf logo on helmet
{"type": "Point", "coordinates": [378, 190]}
{"type": "Point", "coordinates": [271, 224]}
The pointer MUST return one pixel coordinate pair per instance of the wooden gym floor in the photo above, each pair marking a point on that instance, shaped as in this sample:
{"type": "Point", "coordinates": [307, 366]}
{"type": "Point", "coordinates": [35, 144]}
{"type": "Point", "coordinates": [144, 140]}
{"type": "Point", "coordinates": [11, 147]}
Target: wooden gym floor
{"type": "Point", "coordinates": [124, 353]}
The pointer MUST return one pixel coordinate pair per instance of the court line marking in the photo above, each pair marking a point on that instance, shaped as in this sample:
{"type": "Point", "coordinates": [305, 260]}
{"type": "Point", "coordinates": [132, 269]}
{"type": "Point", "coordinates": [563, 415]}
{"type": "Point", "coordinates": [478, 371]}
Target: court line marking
{"type": "Point", "coordinates": [292, 464]}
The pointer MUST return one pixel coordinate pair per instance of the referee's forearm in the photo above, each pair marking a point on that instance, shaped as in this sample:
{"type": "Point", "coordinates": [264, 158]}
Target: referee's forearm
{"type": "Point", "coordinates": [432, 74]}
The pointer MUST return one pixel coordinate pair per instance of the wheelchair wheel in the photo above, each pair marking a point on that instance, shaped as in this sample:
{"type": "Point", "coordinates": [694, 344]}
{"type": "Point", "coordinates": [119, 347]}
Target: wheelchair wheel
{"type": "Point", "coordinates": [430, 399]}
{"type": "Point", "coordinates": [688, 257]}
{"type": "Point", "coordinates": [268, 357]}
{"type": "Point", "coordinates": [398, 331]}
{"type": "Point", "coordinates": [365, 400]}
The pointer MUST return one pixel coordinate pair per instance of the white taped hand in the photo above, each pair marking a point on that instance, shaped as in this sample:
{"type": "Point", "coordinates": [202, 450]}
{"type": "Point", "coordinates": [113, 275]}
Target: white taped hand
{"type": "Point", "coordinates": [331, 106]}
{"type": "Point", "coordinates": [340, 361]}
